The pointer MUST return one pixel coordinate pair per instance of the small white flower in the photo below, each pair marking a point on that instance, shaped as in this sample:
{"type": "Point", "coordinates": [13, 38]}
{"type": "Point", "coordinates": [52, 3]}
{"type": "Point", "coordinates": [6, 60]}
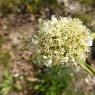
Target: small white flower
{"type": "Point", "coordinates": [73, 60]}
{"type": "Point", "coordinates": [62, 62]}
{"type": "Point", "coordinates": [66, 59]}
{"type": "Point", "coordinates": [35, 39]}
{"type": "Point", "coordinates": [44, 57]}
{"type": "Point", "coordinates": [90, 41]}
{"type": "Point", "coordinates": [55, 52]}
{"type": "Point", "coordinates": [53, 18]}
{"type": "Point", "coordinates": [48, 62]}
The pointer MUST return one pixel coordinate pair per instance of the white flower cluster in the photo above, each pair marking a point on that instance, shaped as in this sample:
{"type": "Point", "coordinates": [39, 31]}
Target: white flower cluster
{"type": "Point", "coordinates": [63, 40]}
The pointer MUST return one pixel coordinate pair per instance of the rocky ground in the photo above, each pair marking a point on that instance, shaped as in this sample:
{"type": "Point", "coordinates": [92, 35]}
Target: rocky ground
{"type": "Point", "coordinates": [14, 37]}
{"type": "Point", "coordinates": [15, 31]}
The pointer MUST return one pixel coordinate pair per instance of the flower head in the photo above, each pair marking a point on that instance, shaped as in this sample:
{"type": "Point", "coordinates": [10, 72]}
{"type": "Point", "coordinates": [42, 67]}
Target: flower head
{"type": "Point", "coordinates": [62, 40]}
